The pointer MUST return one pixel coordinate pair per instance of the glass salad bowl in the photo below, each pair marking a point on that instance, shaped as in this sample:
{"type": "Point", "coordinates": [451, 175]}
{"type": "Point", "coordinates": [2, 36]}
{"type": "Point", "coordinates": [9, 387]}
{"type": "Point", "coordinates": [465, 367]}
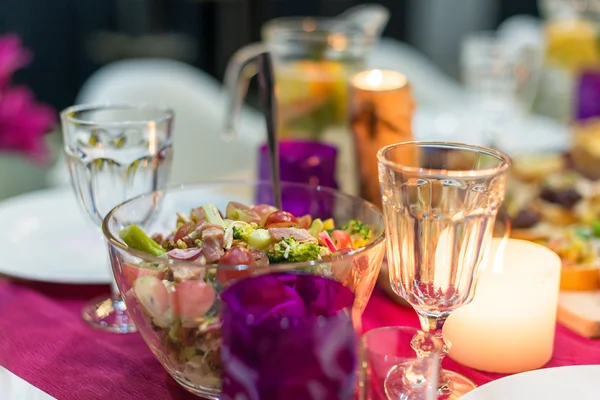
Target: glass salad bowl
{"type": "Point", "coordinates": [173, 251]}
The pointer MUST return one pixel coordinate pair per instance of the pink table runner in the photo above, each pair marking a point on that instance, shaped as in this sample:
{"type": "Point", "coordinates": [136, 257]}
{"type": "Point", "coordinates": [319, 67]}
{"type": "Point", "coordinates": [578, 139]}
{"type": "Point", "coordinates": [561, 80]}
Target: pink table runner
{"type": "Point", "coordinates": [44, 341]}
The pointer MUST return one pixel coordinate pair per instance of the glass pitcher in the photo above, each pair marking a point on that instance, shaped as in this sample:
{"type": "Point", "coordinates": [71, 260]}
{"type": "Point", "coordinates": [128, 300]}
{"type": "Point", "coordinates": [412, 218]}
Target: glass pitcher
{"type": "Point", "coordinates": [313, 59]}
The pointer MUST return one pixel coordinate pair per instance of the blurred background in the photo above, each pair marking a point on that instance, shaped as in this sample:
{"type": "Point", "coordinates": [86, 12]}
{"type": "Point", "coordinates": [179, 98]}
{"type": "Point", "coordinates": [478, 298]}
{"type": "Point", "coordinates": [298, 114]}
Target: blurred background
{"type": "Point", "coordinates": [75, 45]}
{"type": "Point", "coordinates": [71, 39]}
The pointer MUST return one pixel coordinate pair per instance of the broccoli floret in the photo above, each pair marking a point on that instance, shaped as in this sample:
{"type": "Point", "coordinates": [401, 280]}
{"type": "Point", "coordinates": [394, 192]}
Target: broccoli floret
{"type": "Point", "coordinates": [290, 250]}
{"type": "Point", "coordinates": [242, 232]}
{"type": "Point", "coordinates": [355, 227]}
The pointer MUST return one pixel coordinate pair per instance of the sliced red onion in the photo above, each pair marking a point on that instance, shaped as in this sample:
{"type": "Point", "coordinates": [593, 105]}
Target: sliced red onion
{"type": "Point", "coordinates": [185, 254]}
{"type": "Point", "coordinates": [326, 239]}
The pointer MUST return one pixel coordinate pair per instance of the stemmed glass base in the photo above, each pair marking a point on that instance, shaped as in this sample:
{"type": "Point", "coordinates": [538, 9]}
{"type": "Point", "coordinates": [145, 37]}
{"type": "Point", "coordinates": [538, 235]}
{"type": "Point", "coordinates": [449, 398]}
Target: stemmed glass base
{"type": "Point", "coordinates": [397, 385]}
{"type": "Point", "coordinates": [108, 314]}
{"type": "Point", "coordinates": [405, 381]}
{"type": "Point", "coordinates": [457, 386]}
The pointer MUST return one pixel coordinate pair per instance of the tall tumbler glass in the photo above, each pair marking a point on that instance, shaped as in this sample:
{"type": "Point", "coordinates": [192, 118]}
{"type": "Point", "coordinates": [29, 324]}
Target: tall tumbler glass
{"type": "Point", "coordinates": [440, 202]}
{"type": "Point", "coordinates": [114, 153]}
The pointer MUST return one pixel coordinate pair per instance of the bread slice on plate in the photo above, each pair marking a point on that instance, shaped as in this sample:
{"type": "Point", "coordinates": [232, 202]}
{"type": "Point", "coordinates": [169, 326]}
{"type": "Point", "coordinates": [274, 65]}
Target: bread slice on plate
{"type": "Point", "coordinates": [536, 167]}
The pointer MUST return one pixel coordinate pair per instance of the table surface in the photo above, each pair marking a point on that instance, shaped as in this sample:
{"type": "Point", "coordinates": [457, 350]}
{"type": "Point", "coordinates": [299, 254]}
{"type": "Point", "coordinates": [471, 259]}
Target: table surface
{"type": "Point", "coordinates": [45, 342]}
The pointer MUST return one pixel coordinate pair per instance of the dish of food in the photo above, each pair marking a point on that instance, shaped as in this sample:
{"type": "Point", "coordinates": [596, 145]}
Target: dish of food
{"type": "Point", "coordinates": [172, 284]}
{"type": "Point", "coordinates": [550, 202]}
{"type": "Point", "coordinates": [252, 236]}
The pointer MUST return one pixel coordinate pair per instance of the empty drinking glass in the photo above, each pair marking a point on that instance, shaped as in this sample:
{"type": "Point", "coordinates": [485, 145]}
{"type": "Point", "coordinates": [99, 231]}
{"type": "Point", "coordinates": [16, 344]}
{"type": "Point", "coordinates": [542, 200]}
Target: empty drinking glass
{"type": "Point", "coordinates": [115, 153]}
{"type": "Point", "coordinates": [440, 202]}
{"type": "Point", "coordinates": [394, 367]}
{"type": "Point", "coordinates": [501, 76]}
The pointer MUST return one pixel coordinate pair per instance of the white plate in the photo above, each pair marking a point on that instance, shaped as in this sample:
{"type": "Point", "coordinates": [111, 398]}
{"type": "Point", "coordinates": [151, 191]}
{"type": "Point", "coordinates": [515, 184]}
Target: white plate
{"type": "Point", "coordinates": [576, 382]}
{"type": "Point", "coordinates": [44, 236]}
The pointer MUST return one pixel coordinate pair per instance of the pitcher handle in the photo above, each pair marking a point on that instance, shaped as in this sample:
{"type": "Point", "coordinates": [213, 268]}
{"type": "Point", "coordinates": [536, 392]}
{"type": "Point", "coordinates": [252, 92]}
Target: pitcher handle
{"type": "Point", "coordinates": [240, 69]}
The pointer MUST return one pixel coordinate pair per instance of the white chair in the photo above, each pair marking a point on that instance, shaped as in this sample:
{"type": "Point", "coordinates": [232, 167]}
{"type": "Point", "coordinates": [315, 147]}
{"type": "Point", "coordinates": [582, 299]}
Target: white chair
{"type": "Point", "coordinates": [198, 101]}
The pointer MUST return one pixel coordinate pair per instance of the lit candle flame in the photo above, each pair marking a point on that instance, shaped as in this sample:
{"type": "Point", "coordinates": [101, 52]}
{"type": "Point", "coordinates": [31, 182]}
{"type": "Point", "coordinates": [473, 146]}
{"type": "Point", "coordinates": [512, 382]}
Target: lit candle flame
{"type": "Point", "coordinates": [379, 80]}
{"type": "Point", "coordinates": [499, 257]}
{"type": "Point", "coordinates": [374, 78]}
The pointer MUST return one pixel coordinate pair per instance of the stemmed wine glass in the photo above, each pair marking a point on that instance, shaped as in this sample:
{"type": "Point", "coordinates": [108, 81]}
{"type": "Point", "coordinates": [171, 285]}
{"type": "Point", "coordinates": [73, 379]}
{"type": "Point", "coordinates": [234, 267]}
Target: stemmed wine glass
{"type": "Point", "coordinates": [114, 153]}
{"type": "Point", "coordinates": [440, 202]}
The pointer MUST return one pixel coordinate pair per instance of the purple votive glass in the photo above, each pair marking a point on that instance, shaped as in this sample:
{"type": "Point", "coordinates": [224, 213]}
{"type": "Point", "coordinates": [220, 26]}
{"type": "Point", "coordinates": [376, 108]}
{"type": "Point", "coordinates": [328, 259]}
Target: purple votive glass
{"type": "Point", "coordinates": [588, 95]}
{"type": "Point", "coordinates": [307, 162]}
{"type": "Point", "coordinates": [288, 336]}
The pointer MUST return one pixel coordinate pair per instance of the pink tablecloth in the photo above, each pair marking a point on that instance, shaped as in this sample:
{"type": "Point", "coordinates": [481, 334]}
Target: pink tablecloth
{"type": "Point", "coordinates": [43, 340]}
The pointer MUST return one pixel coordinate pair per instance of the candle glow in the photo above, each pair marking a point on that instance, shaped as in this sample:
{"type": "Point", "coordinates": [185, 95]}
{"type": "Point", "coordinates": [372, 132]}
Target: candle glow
{"type": "Point", "coordinates": [509, 326]}
{"type": "Point", "coordinates": [381, 107]}
{"type": "Point", "coordinates": [379, 80]}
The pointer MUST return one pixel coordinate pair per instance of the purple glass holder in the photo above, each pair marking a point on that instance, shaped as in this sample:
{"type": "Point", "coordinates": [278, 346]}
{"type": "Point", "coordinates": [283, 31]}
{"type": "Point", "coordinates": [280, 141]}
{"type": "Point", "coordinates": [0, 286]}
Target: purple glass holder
{"type": "Point", "coordinates": [588, 95]}
{"type": "Point", "coordinates": [288, 336]}
{"type": "Point", "coordinates": [304, 162]}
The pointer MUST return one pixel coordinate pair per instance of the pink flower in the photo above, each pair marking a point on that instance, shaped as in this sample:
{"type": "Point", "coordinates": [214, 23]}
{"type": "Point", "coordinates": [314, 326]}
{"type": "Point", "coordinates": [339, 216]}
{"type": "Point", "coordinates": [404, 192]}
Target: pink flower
{"type": "Point", "coordinates": [12, 57]}
{"type": "Point", "coordinates": [24, 122]}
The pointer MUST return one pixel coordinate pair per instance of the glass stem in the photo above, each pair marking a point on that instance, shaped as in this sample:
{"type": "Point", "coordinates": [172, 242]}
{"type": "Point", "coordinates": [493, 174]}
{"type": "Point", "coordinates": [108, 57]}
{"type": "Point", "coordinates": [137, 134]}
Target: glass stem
{"type": "Point", "coordinates": [114, 289]}
{"type": "Point", "coordinates": [434, 325]}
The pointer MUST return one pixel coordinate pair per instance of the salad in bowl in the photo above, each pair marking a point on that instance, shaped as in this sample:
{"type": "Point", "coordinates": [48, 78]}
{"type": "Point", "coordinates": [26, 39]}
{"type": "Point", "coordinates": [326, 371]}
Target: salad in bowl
{"type": "Point", "coordinates": [174, 251]}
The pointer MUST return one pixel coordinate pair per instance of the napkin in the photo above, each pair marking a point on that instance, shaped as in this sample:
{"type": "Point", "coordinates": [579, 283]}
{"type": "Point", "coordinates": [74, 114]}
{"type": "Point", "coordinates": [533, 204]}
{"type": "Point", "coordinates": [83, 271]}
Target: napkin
{"type": "Point", "coordinates": [288, 336]}
{"type": "Point", "coordinates": [15, 388]}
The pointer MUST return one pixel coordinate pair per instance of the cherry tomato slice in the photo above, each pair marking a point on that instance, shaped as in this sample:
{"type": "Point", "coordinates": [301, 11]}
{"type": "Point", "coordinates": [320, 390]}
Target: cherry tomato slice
{"type": "Point", "coordinates": [263, 210]}
{"type": "Point", "coordinates": [183, 231]}
{"type": "Point", "coordinates": [341, 239]}
{"type": "Point", "coordinates": [235, 256]}
{"type": "Point", "coordinates": [281, 219]}
{"type": "Point", "coordinates": [226, 276]}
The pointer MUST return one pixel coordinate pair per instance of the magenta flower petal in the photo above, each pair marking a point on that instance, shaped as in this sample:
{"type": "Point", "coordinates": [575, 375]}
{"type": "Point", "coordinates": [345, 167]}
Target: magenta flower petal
{"type": "Point", "coordinates": [12, 57]}
{"type": "Point", "coordinates": [24, 123]}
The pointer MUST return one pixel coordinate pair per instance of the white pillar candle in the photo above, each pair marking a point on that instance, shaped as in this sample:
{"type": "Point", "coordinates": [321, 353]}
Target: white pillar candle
{"type": "Point", "coordinates": [510, 324]}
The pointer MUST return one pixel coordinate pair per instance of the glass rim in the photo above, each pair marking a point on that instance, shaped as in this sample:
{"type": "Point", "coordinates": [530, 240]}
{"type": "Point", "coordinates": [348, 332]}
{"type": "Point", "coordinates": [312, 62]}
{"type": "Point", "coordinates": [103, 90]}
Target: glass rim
{"type": "Point", "coordinates": [69, 114]}
{"type": "Point", "coordinates": [441, 173]}
{"type": "Point", "coordinates": [113, 241]}
{"type": "Point", "coordinates": [437, 342]}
